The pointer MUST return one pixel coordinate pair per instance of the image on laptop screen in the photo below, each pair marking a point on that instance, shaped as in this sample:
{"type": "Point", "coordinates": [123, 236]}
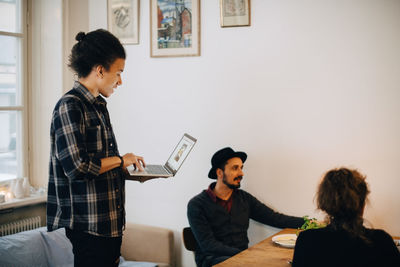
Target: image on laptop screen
{"type": "Point", "coordinates": [180, 153]}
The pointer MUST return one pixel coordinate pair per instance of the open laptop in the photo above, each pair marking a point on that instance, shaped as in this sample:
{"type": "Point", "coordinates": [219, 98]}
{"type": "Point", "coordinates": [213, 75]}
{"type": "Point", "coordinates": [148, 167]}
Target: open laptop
{"type": "Point", "coordinates": [174, 162]}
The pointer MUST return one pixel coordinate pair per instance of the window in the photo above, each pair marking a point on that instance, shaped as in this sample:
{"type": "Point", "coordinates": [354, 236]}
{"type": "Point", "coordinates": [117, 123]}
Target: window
{"type": "Point", "coordinates": [13, 91]}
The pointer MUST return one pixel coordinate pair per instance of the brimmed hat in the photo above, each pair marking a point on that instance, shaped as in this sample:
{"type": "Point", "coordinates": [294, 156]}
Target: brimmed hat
{"type": "Point", "coordinates": [221, 156]}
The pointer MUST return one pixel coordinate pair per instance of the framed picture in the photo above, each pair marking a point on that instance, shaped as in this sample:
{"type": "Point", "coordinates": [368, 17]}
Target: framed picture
{"type": "Point", "coordinates": [123, 20]}
{"type": "Point", "coordinates": [174, 28]}
{"type": "Point", "coordinates": [235, 13]}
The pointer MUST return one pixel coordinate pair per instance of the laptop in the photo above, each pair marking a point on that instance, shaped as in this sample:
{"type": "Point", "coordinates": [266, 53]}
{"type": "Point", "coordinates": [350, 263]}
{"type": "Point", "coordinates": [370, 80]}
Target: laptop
{"type": "Point", "coordinates": [174, 162]}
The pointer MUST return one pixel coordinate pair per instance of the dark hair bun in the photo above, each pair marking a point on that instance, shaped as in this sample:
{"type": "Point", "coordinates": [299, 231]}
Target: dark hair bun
{"type": "Point", "coordinates": [80, 36]}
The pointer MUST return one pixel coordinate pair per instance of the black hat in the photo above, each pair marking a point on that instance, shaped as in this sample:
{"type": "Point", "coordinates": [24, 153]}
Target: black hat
{"type": "Point", "coordinates": [221, 156]}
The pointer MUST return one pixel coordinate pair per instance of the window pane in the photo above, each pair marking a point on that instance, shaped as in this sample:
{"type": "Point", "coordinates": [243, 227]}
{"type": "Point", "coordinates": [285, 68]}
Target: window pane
{"type": "Point", "coordinates": [10, 16]}
{"type": "Point", "coordinates": [10, 145]}
{"type": "Point", "coordinates": [10, 71]}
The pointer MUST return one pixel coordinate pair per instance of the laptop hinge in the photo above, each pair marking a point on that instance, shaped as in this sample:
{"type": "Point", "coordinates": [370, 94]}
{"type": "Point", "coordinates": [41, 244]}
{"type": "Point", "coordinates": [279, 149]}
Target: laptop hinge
{"type": "Point", "coordinates": [170, 170]}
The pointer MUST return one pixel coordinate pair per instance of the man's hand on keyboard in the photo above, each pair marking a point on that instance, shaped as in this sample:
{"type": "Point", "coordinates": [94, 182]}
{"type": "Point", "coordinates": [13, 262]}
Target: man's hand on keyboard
{"type": "Point", "coordinates": [137, 161]}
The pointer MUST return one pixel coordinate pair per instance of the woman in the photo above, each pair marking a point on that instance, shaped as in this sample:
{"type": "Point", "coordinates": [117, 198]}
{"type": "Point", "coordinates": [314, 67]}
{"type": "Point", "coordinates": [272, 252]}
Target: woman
{"type": "Point", "coordinates": [86, 190]}
{"type": "Point", "coordinates": [345, 241]}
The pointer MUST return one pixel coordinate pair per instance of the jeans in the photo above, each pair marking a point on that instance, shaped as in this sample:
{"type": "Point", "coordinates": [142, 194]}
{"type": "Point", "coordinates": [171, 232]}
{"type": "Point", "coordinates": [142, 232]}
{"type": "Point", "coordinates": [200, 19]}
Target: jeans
{"type": "Point", "coordinates": [90, 250]}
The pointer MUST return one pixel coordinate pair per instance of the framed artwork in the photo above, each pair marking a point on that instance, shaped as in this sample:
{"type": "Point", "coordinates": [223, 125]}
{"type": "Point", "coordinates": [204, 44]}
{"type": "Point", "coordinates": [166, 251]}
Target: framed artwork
{"type": "Point", "coordinates": [174, 28]}
{"type": "Point", "coordinates": [235, 13]}
{"type": "Point", "coordinates": [123, 20]}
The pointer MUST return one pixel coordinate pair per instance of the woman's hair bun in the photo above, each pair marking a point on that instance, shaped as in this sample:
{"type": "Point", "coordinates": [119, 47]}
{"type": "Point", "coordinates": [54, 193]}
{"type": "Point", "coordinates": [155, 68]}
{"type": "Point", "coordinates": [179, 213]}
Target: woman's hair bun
{"type": "Point", "coordinates": [80, 36]}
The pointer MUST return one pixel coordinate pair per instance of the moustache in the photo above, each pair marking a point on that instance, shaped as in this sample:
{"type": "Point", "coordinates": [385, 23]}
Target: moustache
{"type": "Point", "coordinates": [238, 178]}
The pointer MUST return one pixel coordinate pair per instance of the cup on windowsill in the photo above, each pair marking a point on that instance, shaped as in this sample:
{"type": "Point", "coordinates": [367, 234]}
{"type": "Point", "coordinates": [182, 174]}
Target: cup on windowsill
{"type": "Point", "coordinates": [19, 191]}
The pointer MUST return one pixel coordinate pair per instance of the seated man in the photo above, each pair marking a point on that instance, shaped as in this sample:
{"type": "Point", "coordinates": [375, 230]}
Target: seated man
{"type": "Point", "coordinates": [219, 216]}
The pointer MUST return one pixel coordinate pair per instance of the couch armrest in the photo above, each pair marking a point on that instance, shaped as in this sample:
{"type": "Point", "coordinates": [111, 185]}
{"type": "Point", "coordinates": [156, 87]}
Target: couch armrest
{"type": "Point", "coordinates": [148, 243]}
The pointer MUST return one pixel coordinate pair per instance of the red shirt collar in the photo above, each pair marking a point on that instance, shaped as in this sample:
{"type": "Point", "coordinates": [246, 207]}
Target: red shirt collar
{"type": "Point", "coordinates": [226, 204]}
{"type": "Point", "coordinates": [211, 193]}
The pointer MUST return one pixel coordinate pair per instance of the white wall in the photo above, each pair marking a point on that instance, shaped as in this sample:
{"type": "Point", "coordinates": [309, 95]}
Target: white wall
{"type": "Point", "coordinates": [311, 85]}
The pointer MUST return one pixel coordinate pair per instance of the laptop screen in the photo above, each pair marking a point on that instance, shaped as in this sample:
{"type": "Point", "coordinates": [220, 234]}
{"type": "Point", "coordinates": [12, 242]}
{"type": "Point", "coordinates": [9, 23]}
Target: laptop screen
{"type": "Point", "coordinates": [180, 153]}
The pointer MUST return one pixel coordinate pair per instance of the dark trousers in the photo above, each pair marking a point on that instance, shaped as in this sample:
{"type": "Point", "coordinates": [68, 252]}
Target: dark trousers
{"type": "Point", "coordinates": [90, 250]}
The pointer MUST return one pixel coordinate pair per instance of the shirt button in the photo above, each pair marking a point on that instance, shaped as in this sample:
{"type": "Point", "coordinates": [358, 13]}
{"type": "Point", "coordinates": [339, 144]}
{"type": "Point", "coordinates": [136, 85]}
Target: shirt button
{"type": "Point", "coordinates": [111, 144]}
{"type": "Point", "coordinates": [117, 190]}
{"type": "Point", "coordinates": [118, 206]}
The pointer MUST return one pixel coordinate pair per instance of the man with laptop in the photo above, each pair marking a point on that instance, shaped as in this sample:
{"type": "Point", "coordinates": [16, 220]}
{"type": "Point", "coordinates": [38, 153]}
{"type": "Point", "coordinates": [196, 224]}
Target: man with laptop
{"type": "Point", "coordinates": [219, 216]}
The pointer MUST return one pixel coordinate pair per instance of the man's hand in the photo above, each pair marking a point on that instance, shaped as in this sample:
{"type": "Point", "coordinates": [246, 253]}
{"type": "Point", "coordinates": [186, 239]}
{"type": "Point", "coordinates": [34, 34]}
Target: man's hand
{"type": "Point", "coordinates": [137, 161]}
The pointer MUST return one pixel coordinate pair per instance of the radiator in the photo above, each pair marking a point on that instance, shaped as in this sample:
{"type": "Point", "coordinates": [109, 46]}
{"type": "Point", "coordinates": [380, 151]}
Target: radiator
{"type": "Point", "coordinates": [20, 225]}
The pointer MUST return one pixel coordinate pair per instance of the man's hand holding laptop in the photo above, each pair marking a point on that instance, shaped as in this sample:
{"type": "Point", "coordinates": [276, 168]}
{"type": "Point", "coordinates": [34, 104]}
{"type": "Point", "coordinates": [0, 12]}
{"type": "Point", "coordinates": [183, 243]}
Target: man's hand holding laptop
{"type": "Point", "coordinates": [131, 159]}
{"type": "Point", "coordinates": [136, 163]}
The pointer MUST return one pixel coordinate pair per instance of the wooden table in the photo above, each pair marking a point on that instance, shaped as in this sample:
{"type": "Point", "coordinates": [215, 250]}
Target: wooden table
{"type": "Point", "coordinates": [265, 253]}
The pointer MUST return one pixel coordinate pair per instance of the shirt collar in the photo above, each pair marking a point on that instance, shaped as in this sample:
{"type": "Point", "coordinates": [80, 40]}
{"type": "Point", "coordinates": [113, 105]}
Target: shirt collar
{"type": "Point", "coordinates": [88, 95]}
{"type": "Point", "coordinates": [212, 195]}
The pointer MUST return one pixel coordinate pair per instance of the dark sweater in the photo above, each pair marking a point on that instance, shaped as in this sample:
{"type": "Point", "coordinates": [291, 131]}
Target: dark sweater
{"type": "Point", "coordinates": [327, 247]}
{"type": "Point", "coordinates": [219, 233]}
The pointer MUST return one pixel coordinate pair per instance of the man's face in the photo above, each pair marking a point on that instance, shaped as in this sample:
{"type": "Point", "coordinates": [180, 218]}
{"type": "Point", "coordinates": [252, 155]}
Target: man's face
{"type": "Point", "coordinates": [233, 173]}
{"type": "Point", "coordinates": [112, 77]}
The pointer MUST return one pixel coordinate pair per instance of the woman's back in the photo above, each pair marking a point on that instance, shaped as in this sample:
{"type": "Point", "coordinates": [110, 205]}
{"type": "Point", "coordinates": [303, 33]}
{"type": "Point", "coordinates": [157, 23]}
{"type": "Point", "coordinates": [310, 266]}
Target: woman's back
{"type": "Point", "coordinates": [329, 247]}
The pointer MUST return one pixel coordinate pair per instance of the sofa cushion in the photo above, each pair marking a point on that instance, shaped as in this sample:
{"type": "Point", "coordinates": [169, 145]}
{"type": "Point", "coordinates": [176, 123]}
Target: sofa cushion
{"type": "Point", "coordinates": [23, 249]}
{"type": "Point", "coordinates": [57, 247]}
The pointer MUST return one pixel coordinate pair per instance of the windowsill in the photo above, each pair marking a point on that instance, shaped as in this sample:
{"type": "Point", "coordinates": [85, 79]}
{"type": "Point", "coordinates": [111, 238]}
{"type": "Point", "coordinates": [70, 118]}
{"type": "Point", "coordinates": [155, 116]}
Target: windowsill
{"type": "Point", "coordinates": [27, 201]}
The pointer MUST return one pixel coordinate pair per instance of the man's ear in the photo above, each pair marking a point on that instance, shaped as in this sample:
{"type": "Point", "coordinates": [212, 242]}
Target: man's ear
{"type": "Point", "coordinates": [99, 70]}
{"type": "Point", "coordinates": [220, 173]}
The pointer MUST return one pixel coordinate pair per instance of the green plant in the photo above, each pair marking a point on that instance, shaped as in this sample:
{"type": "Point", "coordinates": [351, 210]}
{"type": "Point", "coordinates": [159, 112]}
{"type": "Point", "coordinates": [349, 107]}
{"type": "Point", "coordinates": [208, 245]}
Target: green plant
{"type": "Point", "coordinates": [310, 223]}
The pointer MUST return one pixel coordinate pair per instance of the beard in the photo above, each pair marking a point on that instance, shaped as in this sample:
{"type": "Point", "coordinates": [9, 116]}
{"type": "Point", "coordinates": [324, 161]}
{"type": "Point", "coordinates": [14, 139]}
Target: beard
{"type": "Point", "coordinates": [232, 186]}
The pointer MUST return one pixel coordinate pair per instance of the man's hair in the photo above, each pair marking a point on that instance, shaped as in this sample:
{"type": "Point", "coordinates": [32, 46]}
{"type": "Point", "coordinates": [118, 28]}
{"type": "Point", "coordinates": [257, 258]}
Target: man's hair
{"type": "Point", "coordinates": [222, 166]}
{"type": "Point", "coordinates": [342, 194]}
{"type": "Point", "coordinates": [95, 48]}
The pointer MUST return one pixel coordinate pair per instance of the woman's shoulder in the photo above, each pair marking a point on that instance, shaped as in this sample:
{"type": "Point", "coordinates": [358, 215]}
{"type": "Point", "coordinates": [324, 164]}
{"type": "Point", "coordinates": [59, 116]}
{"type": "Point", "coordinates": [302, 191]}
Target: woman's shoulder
{"type": "Point", "coordinates": [312, 233]}
{"type": "Point", "coordinates": [383, 246]}
{"type": "Point", "coordinates": [378, 235]}
{"type": "Point", "coordinates": [377, 232]}
{"type": "Point", "coordinates": [325, 235]}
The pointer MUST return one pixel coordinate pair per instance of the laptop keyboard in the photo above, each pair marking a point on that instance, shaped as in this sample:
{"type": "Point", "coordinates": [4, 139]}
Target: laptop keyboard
{"type": "Point", "coordinates": [158, 169]}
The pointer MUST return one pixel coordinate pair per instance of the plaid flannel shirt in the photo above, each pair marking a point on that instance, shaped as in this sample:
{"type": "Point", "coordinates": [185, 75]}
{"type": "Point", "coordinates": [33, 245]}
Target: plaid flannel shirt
{"type": "Point", "coordinates": [78, 196]}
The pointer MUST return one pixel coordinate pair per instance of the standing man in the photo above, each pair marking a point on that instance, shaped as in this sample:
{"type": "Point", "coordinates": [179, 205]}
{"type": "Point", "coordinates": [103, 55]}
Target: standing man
{"type": "Point", "coordinates": [219, 216]}
{"type": "Point", "coordinates": [86, 190]}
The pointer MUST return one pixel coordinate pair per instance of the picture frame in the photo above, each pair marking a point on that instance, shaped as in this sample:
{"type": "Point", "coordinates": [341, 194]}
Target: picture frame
{"type": "Point", "coordinates": [234, 13]}
{"type": "Point", "coordinates": [174, 28]}
{"type": "Point", "coordinates": [123, 20]}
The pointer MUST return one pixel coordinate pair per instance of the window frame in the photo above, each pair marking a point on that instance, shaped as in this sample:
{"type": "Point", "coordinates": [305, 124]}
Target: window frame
{"type": "Point", "coordinates": [23, 107]}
